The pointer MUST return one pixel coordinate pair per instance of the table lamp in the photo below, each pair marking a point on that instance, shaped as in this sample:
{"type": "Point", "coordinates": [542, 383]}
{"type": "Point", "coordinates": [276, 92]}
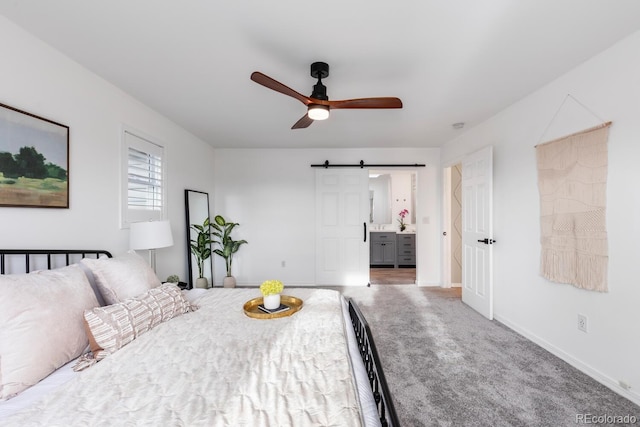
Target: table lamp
{"type": "Point", "coordinates": [150, 235]}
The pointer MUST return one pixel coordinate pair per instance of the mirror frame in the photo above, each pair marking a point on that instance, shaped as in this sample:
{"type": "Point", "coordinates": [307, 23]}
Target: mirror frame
{"type": "Point", "coordinates": [208, 264]}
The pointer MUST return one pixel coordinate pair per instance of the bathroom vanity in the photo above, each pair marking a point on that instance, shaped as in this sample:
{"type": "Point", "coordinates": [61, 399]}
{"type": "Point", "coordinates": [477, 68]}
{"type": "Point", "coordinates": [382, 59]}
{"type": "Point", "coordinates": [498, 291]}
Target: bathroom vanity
{"type": "Point", "coordinates": [391, 249]}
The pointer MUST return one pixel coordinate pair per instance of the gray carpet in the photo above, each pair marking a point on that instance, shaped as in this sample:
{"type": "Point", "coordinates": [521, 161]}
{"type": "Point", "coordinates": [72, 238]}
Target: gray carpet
{"type": "Point", "coordinates": [447, 365]}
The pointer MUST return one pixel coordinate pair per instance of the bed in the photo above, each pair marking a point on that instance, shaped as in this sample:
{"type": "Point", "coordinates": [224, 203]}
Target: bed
{"type": "Point", "coordinates": [91, 339]}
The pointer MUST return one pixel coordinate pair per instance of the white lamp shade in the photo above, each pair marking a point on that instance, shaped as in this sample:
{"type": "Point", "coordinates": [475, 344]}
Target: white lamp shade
{"type": "Point", "coordinates": [150, 235]}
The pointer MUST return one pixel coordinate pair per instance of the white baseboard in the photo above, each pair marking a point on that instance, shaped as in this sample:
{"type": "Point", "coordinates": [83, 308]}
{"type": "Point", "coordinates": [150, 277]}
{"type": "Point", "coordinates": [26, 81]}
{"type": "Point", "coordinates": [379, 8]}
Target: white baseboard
{"type": "Point", "coordinates": [438, 284]}
{"type": "Point", "coordinates": [603, 379]}
{"type": "Point", "coordinates": [432, 284]}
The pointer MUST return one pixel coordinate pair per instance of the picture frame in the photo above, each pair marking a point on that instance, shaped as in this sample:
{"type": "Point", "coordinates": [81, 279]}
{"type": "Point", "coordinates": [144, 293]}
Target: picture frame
{"type": "Point", "coordinates": [34, 160]}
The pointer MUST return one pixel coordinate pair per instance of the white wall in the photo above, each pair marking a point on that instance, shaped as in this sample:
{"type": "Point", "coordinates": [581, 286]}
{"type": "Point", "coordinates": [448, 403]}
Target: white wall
{"type": "Point", "coordinates": [271, 193]}
{"type": "Point", "coordinates": [546, 312]}
{"type": "Point", "coordinates": [42, 81]}
{"type": "Point", "coordinates": [401, 197]}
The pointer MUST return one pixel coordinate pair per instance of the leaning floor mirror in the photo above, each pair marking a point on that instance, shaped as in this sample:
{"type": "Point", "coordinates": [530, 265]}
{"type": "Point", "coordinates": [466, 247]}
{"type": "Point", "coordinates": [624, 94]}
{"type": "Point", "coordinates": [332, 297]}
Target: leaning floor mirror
{"type": "Point", "coordinates": [197, 211]}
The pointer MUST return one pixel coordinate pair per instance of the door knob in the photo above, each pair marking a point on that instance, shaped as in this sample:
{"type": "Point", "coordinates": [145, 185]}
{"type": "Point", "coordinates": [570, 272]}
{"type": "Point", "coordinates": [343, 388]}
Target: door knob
{"type": "Point", "coordinates": [487, 241]}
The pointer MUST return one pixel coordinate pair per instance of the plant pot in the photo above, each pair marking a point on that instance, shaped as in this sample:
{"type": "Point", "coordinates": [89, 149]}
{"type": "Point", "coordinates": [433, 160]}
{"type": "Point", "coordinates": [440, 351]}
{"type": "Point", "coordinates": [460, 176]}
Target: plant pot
{"type": "Point", "coordinates": [271, 302]}
{"type": "Point", "coordinates": [202, 282]}
{"type": "Point", "coordinates": [229, 282]}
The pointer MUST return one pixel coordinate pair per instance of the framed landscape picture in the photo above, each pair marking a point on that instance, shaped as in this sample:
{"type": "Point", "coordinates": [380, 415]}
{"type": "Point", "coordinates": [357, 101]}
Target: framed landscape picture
{"type": "Point", "coordinates": [34, 160]}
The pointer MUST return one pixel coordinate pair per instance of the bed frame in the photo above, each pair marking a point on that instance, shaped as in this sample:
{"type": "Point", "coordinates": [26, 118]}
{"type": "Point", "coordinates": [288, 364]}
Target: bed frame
{"type": "Point", "coordinates": [52, 257]}
{"type": "Point", "coordinates": [369, 354]}
{"type": "Point", "coordinates": [34, 259]}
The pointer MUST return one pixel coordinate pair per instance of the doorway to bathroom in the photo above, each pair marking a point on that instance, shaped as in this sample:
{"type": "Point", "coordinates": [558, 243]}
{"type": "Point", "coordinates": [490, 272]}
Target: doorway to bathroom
{"type": "Point", "coordinates": [392, 226]}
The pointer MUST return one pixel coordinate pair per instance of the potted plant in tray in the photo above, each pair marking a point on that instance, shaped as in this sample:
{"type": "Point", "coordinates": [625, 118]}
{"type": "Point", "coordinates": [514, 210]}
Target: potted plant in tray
{"type": "Point", "coordinates": [228, 246]}
{"type": "Point", "coordinates": [271, 290]}
{"type": "Point", "coordinates": [201, 249]}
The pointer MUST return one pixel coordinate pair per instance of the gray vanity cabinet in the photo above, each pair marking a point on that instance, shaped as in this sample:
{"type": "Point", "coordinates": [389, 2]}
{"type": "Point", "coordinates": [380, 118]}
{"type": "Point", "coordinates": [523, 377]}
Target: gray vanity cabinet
{"type": "Point", "coordinates": [382, 249]}
{"type": "Point", "coordinates": [406, 244]}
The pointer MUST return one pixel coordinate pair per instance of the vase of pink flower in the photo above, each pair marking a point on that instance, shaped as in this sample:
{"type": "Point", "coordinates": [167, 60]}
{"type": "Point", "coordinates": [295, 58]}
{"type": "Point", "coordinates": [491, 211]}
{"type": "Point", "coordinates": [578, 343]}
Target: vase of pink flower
{"type": "Point", "coordinates": [403, 213]}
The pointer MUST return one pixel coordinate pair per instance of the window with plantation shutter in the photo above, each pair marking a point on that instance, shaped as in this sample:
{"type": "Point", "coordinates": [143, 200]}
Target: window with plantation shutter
{"type": "Point", "coordinates": [143, 180]}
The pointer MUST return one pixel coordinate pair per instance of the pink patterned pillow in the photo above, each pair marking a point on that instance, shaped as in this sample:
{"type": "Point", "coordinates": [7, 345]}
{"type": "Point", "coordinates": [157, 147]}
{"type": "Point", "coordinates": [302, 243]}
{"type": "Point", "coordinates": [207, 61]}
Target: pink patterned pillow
{"type": "Point", "coordinates": [112, 327]}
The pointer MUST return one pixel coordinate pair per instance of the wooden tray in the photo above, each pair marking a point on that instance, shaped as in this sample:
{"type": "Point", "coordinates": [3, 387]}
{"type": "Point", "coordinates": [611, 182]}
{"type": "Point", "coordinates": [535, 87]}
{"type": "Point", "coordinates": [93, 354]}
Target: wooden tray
{"type": "Point", "coordinates": [251, 307]}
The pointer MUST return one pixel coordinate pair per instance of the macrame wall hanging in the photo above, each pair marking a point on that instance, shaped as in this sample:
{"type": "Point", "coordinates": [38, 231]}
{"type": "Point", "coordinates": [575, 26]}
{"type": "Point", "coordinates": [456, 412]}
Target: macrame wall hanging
{"type": "Point", "coordinates": [572, 181]}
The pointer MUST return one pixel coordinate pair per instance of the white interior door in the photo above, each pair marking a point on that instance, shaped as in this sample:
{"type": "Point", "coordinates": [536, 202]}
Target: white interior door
{"type": "Point", "coordinates": [477, 231]}
{"type": "Point", "coordinates": [342, 237]}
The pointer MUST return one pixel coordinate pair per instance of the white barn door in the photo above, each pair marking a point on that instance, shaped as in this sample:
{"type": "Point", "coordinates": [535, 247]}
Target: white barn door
{"type": "Point", "coordinates": [477, 231]}
{"type": "Point", "coordinates": [342, 237]}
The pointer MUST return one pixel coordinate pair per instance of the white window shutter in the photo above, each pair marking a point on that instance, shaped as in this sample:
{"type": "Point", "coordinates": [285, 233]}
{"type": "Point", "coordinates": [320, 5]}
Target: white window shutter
{"type": "Point", "coordinates": [144, 186]}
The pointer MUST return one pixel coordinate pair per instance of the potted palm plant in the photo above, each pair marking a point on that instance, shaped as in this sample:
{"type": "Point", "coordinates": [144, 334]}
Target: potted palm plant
{"type": "Point", "coordinates": [228, 246]}
{"type": "Point", "coordinates": [201, 249]}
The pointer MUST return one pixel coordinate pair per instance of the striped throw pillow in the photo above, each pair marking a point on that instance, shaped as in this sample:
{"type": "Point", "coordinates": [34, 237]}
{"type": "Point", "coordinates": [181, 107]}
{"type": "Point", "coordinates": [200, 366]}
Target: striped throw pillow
{"type": "Point", "coordinates": [112, 327]}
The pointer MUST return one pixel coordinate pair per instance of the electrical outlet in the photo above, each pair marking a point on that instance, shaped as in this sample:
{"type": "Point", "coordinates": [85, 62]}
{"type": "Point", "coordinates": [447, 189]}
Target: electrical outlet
{"type": "Point", "coordinates": [283, 264]}
{"type": "Point", "coordinates": [582, 322]}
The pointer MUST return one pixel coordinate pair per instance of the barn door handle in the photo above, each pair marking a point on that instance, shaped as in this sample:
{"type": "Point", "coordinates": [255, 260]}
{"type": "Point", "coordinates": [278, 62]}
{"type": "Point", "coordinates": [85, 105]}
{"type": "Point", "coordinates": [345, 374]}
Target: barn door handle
{"type": "Point", "coordinates": [364, 225]}
{"type": "Point", "coordinates": [487, 241]}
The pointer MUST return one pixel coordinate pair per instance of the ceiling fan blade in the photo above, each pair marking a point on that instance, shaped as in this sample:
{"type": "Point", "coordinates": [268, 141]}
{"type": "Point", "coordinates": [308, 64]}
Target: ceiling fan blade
{"type": "Point", "coordinates": [385, 102]}
{"type": "Point", "coordinates": [272, 84]}
{"type": "Point", "coordinates": [304, 122]}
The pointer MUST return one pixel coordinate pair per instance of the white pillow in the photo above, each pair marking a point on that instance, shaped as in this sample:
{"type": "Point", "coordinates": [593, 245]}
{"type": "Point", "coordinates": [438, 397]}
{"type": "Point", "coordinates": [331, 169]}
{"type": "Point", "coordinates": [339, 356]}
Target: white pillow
{"type": "Point", "coordinates": [41, 324]}
{"type": "Point", "coordinates": [92, 281]}
{"type": "Point", "coordinates": [122, 277]}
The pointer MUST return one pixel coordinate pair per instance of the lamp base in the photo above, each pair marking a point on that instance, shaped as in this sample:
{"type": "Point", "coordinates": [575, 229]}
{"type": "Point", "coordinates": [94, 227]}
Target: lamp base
{"type": "Point", "coordinates": [152, 259]}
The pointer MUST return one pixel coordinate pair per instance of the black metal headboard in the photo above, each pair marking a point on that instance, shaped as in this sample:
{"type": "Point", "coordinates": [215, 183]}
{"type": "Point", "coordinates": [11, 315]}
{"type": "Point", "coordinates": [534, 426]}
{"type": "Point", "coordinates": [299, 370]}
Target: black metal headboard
{"type": "Point", "coordinates": [35, 258]}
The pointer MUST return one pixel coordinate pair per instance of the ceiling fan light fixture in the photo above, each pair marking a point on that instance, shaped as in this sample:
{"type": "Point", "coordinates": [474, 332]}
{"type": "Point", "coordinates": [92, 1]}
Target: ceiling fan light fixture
{"type": "Point", "coordinates": [318, 112]}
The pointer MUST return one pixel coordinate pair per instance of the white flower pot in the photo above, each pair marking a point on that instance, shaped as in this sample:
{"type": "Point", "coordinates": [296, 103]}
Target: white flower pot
{"type": "Point", "coordinates": [271, 302]}
{"type": "Point", "coordinates": [202, 282]}
{"type": "Point", "coordinates": [229, 282]}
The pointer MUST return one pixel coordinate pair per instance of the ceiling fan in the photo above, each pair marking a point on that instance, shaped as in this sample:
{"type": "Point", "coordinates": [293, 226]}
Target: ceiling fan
{"type": "Point", "coordinates": [318, 104]}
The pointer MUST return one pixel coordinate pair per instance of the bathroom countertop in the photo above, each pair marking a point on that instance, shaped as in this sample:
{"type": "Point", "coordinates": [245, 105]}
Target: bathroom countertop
{"type": "Point", "coordinates": [392, 231]}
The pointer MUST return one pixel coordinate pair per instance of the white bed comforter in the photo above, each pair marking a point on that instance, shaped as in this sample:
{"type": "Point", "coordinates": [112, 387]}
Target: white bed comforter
{"type": "Point", "coordinates": [218, 367]}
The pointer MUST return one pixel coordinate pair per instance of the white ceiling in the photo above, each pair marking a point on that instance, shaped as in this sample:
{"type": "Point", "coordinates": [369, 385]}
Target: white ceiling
{"type": "Point", "coordinates": [448, 60]}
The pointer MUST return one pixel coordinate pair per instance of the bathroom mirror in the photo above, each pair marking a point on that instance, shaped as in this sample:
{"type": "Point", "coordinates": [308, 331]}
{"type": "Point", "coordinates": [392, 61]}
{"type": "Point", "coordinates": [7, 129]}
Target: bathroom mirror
{"type": "Point", "coordinates": [390, 191]}
{"type": "Point", "coordinates": [380, 197]}
{"type": "Point", "coordinates": [197, 210]}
